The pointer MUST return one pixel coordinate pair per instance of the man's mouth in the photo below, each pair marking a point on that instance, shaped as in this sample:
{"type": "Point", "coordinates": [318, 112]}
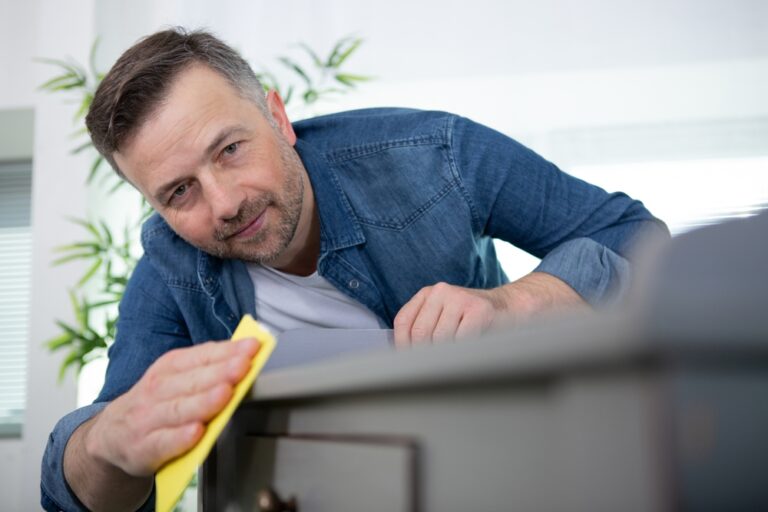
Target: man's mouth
{"type": "Point", "coordinates": [251, 228]}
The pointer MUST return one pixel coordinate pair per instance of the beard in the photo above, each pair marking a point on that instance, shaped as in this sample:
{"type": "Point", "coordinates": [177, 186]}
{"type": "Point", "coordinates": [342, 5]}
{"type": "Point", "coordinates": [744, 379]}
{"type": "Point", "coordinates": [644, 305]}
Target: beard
{"type": "Point", "coordinates": [283, 211]}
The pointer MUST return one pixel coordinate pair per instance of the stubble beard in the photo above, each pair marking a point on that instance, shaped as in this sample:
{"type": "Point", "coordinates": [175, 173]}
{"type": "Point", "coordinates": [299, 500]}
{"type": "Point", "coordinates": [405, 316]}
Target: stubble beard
{"type": "Point", "coordinates": [269, 242]}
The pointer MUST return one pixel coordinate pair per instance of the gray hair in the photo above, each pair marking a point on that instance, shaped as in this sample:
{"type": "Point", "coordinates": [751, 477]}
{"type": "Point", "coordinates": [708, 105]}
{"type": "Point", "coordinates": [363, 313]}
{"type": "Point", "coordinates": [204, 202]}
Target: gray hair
{"type": "Point", "coordinates": [142, 76]}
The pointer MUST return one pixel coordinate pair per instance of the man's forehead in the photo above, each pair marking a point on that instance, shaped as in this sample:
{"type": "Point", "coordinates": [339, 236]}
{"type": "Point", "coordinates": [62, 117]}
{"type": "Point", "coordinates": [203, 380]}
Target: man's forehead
{"type": "Point", "coordinates": [188, 119]}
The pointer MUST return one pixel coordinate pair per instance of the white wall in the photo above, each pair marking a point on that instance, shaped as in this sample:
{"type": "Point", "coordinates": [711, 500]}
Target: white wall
{"type": "Point", "coordinates": [50, 29]}
{"type": "Point", "coordinates": [16, 96]}
{"type": "Point", "coordinates": [531, 69]}
{"type": "Point", "coordinates": [536, 70]}
{"type": "Point", "coordinates": [17, 34]}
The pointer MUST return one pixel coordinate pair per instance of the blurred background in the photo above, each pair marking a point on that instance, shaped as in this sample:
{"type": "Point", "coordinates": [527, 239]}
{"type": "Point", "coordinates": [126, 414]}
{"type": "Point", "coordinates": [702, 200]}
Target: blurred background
{"type": "Point", "coordinates": [666, 100]}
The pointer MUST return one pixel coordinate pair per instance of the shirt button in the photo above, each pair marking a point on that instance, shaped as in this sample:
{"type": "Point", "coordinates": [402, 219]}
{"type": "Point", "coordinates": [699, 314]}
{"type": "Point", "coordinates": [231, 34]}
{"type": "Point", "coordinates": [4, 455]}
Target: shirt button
{"type": "Point", "coordinates": [354, 283]}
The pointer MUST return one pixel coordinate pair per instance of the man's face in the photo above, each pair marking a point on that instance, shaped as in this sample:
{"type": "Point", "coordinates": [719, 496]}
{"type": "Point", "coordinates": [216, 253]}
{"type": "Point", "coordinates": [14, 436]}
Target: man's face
{"type": "Point", "coordinates": [224, 178]}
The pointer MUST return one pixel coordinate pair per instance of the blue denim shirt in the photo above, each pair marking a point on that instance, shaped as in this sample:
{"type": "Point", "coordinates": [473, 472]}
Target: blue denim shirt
{"type": "Point", "coordinates": [406, 199]}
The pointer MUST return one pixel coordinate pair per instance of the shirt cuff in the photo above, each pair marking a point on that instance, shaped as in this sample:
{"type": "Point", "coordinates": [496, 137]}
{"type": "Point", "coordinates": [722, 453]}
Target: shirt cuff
{"type": "Point", "coordinates": [54, 490]}
{"type": "Point", "coordinates": [55, 493]}
{"type": "Point", "coordinates": [593, 270]}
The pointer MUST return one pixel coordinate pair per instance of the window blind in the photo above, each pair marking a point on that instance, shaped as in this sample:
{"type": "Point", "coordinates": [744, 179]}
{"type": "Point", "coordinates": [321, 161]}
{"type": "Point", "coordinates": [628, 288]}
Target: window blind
{"type": "Point", "coordinates": [15, 282]}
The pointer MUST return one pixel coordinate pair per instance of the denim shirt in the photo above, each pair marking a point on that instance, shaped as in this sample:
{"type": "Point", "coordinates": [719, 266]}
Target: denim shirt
{"type": "Point", "coordinates": [406, 199]}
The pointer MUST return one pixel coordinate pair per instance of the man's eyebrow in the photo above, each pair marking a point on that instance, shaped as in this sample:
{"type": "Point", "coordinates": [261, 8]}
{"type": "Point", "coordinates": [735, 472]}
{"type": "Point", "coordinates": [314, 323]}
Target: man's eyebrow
{"type": "Point", "coordinates": [213, 146]}
{"type": "Point", "coordinates": [163, 190]}
{"type": "Point", "coordinates": [223, 135]}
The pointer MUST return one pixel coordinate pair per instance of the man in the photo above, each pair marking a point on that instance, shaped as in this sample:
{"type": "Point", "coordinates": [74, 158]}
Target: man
{"type": "Point", "coordinates": [381, 217]}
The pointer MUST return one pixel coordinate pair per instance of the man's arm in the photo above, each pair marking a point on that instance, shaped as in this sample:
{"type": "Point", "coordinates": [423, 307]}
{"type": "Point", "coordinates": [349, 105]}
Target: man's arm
{"type": "Point", "coordinates": [584, 235]}
{"type": "Point", "coordinates": [111, 459]}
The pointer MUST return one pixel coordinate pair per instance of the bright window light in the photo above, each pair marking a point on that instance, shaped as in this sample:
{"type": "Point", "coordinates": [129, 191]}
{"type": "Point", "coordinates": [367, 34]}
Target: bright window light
{"type": "Point", "coordinates": [685, 194]}
{"type": "Point", "coordinates": [689, 193]}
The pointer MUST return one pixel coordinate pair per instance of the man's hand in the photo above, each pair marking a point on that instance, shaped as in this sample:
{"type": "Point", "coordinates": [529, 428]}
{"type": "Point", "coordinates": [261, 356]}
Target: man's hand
{"type": "Point", "coordinates": [444, 312]}
{"type": "Point", "coordinates": [160, 417]}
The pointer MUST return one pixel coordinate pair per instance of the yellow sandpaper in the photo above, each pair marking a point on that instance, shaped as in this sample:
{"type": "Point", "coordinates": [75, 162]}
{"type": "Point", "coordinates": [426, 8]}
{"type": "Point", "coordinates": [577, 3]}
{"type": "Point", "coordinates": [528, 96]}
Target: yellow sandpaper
{"type": "Point", "coordinates": [174, 476]}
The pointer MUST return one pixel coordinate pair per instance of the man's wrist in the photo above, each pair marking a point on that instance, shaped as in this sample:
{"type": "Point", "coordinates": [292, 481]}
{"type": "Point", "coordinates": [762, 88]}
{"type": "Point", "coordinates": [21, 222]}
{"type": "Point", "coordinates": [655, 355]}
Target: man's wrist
{"type": "Point", "coordinates": [95, 479]}
{"type": "Point", "coordinates": [535, 293]}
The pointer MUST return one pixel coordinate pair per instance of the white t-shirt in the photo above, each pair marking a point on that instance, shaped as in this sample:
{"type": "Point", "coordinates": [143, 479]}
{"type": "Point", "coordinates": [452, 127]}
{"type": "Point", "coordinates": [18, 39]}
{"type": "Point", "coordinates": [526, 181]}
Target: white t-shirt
{"type": "Point", "coordinates": [285, 302]}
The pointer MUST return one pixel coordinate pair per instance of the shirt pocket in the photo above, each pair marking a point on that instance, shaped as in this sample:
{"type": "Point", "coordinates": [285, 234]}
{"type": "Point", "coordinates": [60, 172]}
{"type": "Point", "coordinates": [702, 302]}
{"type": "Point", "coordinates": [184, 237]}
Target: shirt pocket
{"type": "Point", "coordinates": [391, 186]}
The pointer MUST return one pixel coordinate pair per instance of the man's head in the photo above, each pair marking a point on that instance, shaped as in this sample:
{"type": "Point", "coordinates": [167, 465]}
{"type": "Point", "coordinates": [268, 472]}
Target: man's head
{"type": "Point", "coordinates": [142, 76]}
{"type": "Point", "coordinates": [183, 118]}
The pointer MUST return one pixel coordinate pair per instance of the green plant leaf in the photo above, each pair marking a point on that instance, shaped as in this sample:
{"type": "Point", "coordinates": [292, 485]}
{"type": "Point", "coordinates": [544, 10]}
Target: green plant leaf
{"type": "Point", "coordinates": [84, 106]}
{"type": "Point", "coordinates": [72, 257]}
{"type": "Point", "coordinates": [103, 303]}
{"type": "Point", "coordinates": [94, 168]}
{"type": "Point", "coordinates": [288, 95]}
{"type": "Point", "coordinates": [107, 233]}
{"type": "Point", "coordinates": [349, 79]}
{"type": "Point", "coordinates": [69, 66]}
{"type": "Point", "coordinates": [87, 225]}
{"type": "Point", "coordinates": [77, 246]}
{"type": "Point", "coordinates": [92, 59]}
{"type": "Point", "coordinates": [312, 55]}
{"type": "Point", "coordinates": [91, 271]}
{"type": "Point", "coordinates": [296, 68]}
{"type": "Point", "coordinates": [53, 84]}
{"type": "Point", "coordinates": [76, 335]}
{"type": "Point", "coordinates": [81, 315]}
{"type": "Point", "coordinates": [342, 55]}
{"type": "Point", "coordinates": [59, 341]}
{"type": "Point", "coordinates": [310, 96]}
{"type": "Point", "coordinates": [73, 358]}
{"type": "Point", "coordinates": [330, 62]}
{"type": "Point", "coordinates": [121, 280]}
{"type": "Point", "coordinates": [116, 186]}
{"type": "Point", "coordinates": [341, 51]}
{"type": "Point", "coordinates": [268, 80]}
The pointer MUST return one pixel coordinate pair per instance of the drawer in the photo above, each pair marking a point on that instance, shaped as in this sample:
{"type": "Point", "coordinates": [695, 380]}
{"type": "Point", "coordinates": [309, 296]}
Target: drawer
{"type": "Point", "coordinates": [323, 473]}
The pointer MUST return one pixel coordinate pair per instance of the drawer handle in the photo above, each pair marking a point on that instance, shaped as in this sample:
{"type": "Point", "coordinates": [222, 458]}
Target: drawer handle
{"type": "Point", "coordinates": [269, 501]}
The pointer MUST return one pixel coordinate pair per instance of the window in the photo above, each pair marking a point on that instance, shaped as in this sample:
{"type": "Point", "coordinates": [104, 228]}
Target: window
{"type": "Point", "coordinates": [15, 269]}
{"type": "Point", "coordinates": [687, 194]}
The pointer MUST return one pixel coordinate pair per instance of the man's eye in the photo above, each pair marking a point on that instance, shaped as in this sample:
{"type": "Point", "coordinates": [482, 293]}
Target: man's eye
{"type": "Point", "coordinates": [231, 149]}
{"type": "Point", "coordinates": [180, 191]}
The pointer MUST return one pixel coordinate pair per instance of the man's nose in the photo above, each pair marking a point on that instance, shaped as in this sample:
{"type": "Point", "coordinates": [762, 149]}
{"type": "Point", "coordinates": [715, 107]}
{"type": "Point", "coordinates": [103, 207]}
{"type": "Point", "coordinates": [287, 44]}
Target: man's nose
{"type": "Point", "coordinates": [225, 197]}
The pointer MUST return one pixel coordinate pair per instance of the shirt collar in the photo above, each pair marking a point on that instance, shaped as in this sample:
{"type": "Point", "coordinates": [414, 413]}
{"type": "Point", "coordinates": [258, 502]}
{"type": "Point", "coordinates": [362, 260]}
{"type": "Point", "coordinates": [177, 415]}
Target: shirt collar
{"type": "Point", "coordinates": [339, 227]}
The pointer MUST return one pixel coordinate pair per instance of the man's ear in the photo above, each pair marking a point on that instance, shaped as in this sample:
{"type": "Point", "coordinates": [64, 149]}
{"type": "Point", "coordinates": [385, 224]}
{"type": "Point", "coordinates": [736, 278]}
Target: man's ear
{"type": "Point", "coordinates": [277, 109]}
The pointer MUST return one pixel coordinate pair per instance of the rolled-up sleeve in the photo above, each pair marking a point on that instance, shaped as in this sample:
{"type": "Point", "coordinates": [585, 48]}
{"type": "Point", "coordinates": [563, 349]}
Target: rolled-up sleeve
{"type": "Point", "coordinates": [593, 270]}
{"type": "Point", "coordinates": [55, 494]}
{"type": "Point", "coordinates": [584, 235]}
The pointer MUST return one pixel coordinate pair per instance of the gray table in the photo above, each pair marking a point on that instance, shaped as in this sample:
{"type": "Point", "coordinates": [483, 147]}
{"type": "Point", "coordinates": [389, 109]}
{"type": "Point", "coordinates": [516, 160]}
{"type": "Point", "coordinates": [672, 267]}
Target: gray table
{"type": "Point", "coordinates": [663, 406]}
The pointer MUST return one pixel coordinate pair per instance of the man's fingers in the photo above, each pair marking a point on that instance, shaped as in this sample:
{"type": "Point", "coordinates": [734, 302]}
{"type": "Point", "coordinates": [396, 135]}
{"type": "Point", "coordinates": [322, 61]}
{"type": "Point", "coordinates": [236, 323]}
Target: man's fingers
{"type": "Point", "coordinates": [447, 325]}
{"type": "Point", "coordinates": [163, 445]}
{"type": "Point", "coordinates": [424, 324]}
{"type": "Point", "coordinates": [406, 316]}
{"type": "Point", "coordinates": [171, 385]}
{"type": "Point", "coordinates": [183, 359]}
{"type": "Point", "coordinates": [475, 320]}
{"type": "Point", "coordinates": [181, 410]}
{"type": "Point", "coordinates": [468, 326]}
{"type": "Point", "coordinates": [443, 312]}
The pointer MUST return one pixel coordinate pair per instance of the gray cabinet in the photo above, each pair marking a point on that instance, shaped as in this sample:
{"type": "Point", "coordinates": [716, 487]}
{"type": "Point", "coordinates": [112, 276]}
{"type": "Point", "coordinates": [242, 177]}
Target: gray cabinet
{"type": "Point", "coordinates": [577, 416]}
{"type": "Point", "coordinates": [663, 406]}
{"type": "Point", "coordinates": [325, 472]}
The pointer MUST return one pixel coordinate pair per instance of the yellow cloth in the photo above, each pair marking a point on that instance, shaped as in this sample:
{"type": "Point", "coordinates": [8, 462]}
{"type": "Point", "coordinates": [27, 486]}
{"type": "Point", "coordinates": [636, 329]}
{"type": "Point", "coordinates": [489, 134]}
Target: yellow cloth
{"type": "Point", "coordinates": [175, 475]}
